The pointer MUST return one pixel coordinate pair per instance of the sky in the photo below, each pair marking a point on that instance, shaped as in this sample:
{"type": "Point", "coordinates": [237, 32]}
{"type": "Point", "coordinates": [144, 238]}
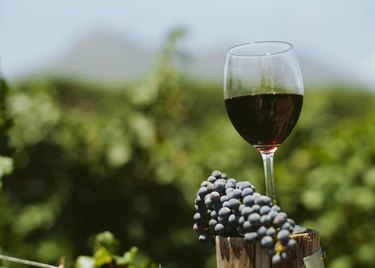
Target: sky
{"type": "Point", "coordinates": [338, 33]}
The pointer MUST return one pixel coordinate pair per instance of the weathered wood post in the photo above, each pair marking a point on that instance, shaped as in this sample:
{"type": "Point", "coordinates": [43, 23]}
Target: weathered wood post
{"type": "Point", "coordinates": [234, 252]}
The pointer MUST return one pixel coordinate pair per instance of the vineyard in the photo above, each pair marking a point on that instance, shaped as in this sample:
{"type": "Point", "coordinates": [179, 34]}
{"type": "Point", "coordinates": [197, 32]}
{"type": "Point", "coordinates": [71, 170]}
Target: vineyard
{"type": "Point", "coordinates": [78, 160]}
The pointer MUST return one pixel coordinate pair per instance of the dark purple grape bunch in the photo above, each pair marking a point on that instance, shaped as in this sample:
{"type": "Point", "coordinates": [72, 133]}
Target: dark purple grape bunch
{"type": "Point", "coordinates": [231, 208]}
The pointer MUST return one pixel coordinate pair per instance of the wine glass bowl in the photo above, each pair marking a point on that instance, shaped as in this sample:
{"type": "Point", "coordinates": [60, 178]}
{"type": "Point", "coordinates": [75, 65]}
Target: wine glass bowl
{"type": "Point", "coordinates": [263, 95]}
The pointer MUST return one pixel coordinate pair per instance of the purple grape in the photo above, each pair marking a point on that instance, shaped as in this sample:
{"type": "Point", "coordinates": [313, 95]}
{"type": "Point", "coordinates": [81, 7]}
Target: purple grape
{"type": "Point", "coordinates": [283, 236]}
{"type": "Point", "coordinates": [215, 197]}
{"type": "Point", "coordinates": [266, 241]}
{"type": "Point", "coordinates": [254, 219]}
{"type": "Point", "coordinates": [233, 203]}
{"type": "Point", "coordinates": [224, 212]}
{"type": "Point", "coordinates": [265, 220]}
{"type": "Point", "coordinates": [216, 173]}
{"type": "Point", "coordinates": [251, 237]}
{"type": "Point", "coordinates": [226, 207]}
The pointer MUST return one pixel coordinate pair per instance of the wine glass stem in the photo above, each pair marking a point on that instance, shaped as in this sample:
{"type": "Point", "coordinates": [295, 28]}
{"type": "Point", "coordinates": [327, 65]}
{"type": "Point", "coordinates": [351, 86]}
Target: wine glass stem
{"type": "Point", "coordinates": [268, 174]}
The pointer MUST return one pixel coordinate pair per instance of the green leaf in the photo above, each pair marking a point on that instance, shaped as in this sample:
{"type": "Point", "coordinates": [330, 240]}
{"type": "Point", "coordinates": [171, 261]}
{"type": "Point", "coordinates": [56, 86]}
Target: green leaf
{"type": "Point", "coordinates": [106, 240]}
{"type": "Point", "coordinates": [129, 256]}
{"type": "Point", "coordinates": [6, 165]}
{"type": "Point", "coordinates": [84, 262]}
{"type": "Point", "coordinates": [102, 256]}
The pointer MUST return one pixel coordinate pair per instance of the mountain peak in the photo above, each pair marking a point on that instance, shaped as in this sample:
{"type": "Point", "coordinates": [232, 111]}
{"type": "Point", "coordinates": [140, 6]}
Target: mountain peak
{"type": "Point", "coordinates": [103, 57]}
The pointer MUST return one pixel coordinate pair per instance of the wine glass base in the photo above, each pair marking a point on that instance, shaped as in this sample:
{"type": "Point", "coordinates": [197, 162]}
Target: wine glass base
{"type": "Point", "coordinates": [266, 149]}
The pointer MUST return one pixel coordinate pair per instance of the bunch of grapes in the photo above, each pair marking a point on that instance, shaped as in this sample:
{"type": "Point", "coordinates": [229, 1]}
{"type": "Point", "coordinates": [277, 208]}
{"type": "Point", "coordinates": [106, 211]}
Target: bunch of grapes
{"type": "Point", "coordinates": [231, 208]}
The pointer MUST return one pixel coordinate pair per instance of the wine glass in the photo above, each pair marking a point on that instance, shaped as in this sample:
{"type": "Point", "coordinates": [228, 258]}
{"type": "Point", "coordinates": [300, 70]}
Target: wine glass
{"type": "Point", "coordinates": [263, 94]}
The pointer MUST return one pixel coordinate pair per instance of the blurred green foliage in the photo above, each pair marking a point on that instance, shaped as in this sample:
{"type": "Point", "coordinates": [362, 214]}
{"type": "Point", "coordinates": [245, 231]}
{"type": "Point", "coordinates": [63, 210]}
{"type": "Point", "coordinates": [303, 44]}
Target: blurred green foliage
{"type": "Point", "coordinates": [129, 161]}
{"type": "Point", "coordinates": [6, 162]}
{"type": "Point", "coordinates": [105, 255]}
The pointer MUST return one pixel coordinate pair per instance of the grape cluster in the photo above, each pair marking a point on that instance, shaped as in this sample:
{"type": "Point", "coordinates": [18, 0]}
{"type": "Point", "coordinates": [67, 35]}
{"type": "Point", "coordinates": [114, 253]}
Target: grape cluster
{"type": "Point", "coordinates": [231, 208]}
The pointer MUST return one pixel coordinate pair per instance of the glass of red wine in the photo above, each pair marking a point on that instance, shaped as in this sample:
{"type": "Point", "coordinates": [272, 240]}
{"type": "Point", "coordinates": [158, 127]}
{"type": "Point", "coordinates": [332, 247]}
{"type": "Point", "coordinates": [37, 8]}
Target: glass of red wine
{"type": "Point", "coordinates": [263, 93]}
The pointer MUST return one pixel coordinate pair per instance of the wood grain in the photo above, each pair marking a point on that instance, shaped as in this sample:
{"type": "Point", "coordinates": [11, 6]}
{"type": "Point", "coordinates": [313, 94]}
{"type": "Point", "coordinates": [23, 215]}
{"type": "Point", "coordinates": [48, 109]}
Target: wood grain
{"type": "Point", "coordinates": [234, 252]}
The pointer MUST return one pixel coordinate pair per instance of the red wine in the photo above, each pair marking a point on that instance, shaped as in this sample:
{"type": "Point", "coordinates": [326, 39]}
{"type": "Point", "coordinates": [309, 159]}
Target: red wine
{"type": "Point", "coordinates": [264, 120]}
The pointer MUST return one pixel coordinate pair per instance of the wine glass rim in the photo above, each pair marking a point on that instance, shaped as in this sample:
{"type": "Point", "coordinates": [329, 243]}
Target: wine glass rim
{"type": "Point", "coordinates": [231, 50]}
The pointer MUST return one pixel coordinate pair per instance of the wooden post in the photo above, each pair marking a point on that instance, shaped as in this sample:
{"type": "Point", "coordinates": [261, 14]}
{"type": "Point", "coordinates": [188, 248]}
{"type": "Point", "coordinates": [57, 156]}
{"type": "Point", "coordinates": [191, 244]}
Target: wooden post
{"type": "Point", "coordinates": [234, 252]}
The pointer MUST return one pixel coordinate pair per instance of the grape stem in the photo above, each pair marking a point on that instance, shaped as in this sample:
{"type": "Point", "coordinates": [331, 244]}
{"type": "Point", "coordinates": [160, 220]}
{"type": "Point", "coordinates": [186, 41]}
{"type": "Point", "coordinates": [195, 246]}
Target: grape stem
{"type": "Point", "coordinates": [267, 156]}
